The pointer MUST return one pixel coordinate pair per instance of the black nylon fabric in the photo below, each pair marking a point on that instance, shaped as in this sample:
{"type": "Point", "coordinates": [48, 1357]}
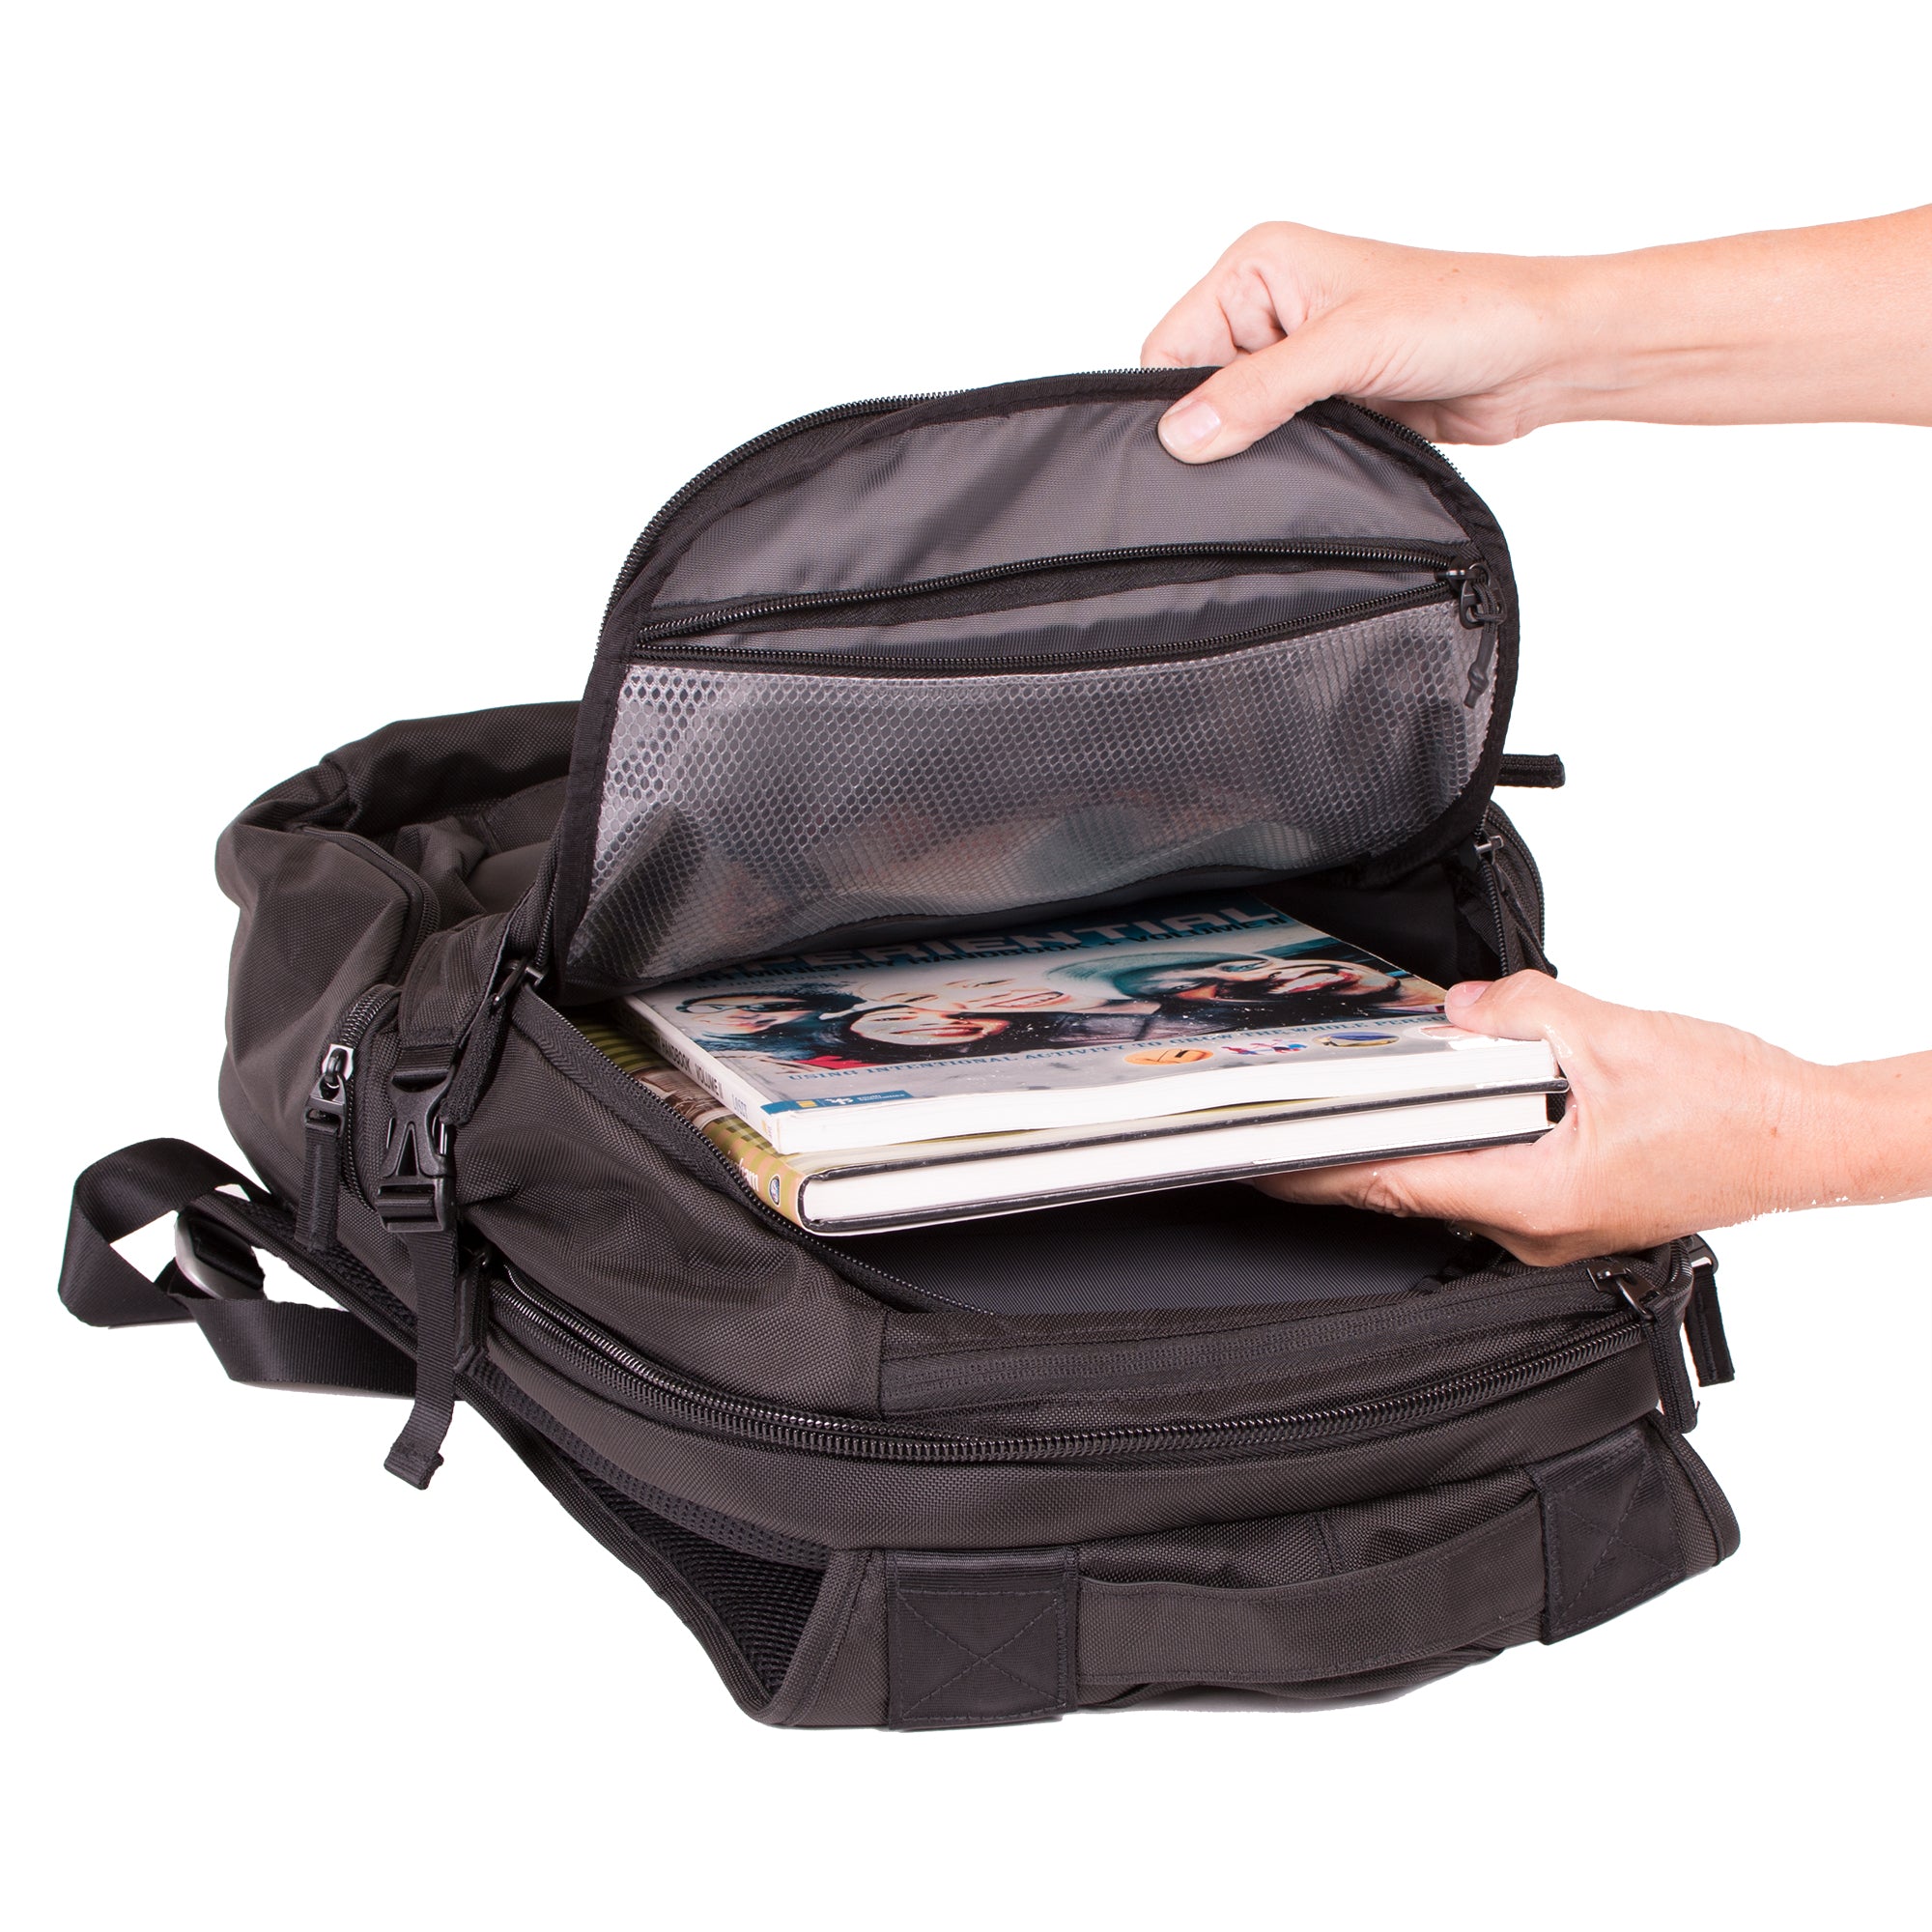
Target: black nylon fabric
{"type": "Point", "coordinates": [868, 1505]}
{"type": "Point", "coordinates": [1221, 1246]}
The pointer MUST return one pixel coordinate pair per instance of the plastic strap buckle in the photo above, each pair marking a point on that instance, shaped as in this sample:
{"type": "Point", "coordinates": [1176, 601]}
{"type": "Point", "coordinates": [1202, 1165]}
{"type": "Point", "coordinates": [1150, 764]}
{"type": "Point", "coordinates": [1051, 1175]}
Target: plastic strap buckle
{"type": "Point", "coordinates": [411, 1197]}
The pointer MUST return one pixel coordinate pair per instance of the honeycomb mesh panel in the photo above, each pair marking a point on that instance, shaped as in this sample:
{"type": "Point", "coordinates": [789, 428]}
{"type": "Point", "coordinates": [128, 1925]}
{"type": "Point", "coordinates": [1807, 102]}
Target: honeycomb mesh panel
{"type": "Point", "coordinates": [763, 1606]}
{"type": "Point", "coordinates": [748, 810]}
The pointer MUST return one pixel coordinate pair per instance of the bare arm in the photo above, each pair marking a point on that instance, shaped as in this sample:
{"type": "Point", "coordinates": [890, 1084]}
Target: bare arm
{"type": "Point", "coordinates": [1804, 325]}
{"type": "Point", "coordinates": [1674, 1125]}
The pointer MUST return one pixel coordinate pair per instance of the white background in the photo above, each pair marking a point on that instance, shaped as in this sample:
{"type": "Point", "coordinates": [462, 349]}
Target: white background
{"type": "Point", "coordinates": [350, 349]}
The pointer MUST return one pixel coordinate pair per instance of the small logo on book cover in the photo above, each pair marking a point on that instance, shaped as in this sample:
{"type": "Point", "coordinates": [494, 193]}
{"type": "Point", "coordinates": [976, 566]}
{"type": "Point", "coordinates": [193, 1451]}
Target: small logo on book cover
{"type": "Point", "coordinates": [1168, 1056]}
{"type": "Point", "coordinates": [833, 1100]}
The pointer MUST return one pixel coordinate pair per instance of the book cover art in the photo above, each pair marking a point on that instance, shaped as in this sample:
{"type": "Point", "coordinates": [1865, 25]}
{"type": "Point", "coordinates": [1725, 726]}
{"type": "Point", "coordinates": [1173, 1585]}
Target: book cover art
{"type": "Point", "coordinates": [1123, 997]}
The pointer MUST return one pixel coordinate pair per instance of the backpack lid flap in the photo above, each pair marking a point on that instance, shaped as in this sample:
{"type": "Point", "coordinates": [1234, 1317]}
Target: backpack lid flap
{"type": "Point", "coordinates": [917, 666]}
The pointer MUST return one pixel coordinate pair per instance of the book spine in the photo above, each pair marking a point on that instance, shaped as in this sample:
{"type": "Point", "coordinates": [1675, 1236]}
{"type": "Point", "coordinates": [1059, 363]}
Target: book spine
{"type": "Point", "coordinates": [770, 1175]}
{"type": "Point", "coordinates": [695, 1065]}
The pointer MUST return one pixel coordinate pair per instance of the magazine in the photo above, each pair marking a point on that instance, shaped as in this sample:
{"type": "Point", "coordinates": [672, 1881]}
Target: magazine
{"type": "Point", "coordinates": [867, 1190]}
{"type": "Point", "coordinates": [1141, 1011]}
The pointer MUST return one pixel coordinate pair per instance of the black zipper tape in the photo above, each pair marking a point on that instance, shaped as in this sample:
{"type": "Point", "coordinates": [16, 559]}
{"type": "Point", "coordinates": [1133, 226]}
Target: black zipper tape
{"type": "Point", "coordinates": [646, 1388]}
{"type": "Point", "coordinates": [856, 664]}
{"type": "Point", "coordinates": [1451, 566]}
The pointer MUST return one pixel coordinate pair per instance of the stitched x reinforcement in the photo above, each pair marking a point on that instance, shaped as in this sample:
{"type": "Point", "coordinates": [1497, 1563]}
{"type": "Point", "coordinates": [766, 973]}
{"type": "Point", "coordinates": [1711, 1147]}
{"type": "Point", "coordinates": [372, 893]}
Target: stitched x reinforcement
{"type": "Point", "coordinates": [975, 1660]}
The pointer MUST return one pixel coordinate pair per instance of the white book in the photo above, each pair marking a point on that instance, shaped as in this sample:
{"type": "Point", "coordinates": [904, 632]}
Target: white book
{"type": "Point", "coordinates": [861, 1199]}
{"type": "Point", "coordinates": [1148, 1011]}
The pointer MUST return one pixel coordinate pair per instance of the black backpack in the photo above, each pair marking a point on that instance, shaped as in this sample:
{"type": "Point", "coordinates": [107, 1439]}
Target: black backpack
{"type": "Point", "coordinates": [891, 671]}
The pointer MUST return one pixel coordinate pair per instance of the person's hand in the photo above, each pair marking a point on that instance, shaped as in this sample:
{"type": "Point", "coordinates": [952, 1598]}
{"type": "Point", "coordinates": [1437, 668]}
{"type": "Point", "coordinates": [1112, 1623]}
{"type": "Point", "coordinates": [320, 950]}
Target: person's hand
{"type": "Point", "coordinates": [1673, 1125]}
{"type": "Point", "coordinates": [1808, 324]}
{"type": "Point", "coordinates": [1453, 345]}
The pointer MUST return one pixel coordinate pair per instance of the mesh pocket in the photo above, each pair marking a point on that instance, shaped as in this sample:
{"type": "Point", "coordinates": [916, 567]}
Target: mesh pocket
{"type": "Point", "coordinates": [750, 811]}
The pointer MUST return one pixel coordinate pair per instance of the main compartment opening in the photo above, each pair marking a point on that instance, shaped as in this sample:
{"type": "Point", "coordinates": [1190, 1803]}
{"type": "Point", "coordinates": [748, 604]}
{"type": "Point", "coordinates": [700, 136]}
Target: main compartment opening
{"type": "Point", "coordinates": [1219, 1245]}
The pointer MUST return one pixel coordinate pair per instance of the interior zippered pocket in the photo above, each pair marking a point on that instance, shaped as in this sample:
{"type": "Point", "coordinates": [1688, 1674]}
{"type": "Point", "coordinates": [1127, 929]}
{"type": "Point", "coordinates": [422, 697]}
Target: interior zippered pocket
{"type": "Point", "coordinates": [758, 798]}
{"type": "Point", "coordinates": [1329, 577]}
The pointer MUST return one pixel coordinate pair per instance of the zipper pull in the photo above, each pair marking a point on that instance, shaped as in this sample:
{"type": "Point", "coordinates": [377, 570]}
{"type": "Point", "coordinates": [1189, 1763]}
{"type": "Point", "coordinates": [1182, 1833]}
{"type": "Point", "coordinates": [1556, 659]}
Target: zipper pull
{"type": "Point", "coordinates": [321, 1149]}
{"type": "Point", "coordinates": [1480, 609]}
{"type": "Point", "coordinates": [1477, 603]}
{"type": "Point", "coordinates": [1704, 1319]}
{"type": "Point", "coordinates": [1507, 951]}
{"type": "Point", "coordinates": [1652, 1306]}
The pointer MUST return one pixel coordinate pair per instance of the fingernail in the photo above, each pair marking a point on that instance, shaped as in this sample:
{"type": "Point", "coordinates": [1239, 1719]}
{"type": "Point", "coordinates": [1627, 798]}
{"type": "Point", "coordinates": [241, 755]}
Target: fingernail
{"type": "Point", "coordinates": [1466, 992]}
{"type": "Point", "coordinates": [1189, 425]}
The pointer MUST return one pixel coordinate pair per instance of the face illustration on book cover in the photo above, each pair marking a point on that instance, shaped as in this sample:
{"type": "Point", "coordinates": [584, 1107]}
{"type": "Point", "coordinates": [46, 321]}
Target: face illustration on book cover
{"type": "Point", "coordinates": [1156, 978]}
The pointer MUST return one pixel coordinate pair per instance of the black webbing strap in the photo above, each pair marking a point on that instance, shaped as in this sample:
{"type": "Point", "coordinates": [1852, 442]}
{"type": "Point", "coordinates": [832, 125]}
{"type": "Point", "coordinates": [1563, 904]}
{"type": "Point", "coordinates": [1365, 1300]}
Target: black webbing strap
{"type": "Point", "coordinates": [416, 1454]}
{"type": "Point", "coordinates": [267, 1344]}
{"type": "Point", "coordinates": [455, 1006]}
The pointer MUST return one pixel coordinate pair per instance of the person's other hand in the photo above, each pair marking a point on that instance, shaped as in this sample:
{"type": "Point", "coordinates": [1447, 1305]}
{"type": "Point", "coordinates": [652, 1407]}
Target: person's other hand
{"type": "Point", "coordinates": [1811, 325]}
{"type": "Point", "coordinates": [1452, 345]}
{"type": "Point", "coordinates": [1673, 1125]}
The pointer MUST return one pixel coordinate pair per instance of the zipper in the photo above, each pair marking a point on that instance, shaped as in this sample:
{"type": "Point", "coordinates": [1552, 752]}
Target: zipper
{"type": "Point", "coordinates": [1380, 557]}
{"type": "Point", "coordinates": [1480, 605]}
{"type": "Point", "coordinates": [1664, 1338]}
{"type": "Point", "coordinates": [1508, 953]}
{"type": "Point", "coordinates": [328, 1130]}
{"type": "Point", "coordinates": [1414, 438]}
{"type": "Point", "coordinates": [645, 1387]}
{"type": "Point", "coordinates": [1513, 845]}
{"type": "Point", "coordinates": [1506, 908]}
{"type": "Point", "coordinates": [854, 663]}
{"type": "Point", "coordinates": [634, 562]}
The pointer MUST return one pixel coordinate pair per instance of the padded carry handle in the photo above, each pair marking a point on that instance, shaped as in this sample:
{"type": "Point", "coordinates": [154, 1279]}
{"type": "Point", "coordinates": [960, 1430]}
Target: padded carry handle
{"type": "Point", "coordinates": [1473, 1589]}
{"type": "Point", "coordinates": [1004, 1637]}
{"type": "Point", "coordinates": [1605, 1527]}
{"type": "Point", "coordinates": [266, 1344]}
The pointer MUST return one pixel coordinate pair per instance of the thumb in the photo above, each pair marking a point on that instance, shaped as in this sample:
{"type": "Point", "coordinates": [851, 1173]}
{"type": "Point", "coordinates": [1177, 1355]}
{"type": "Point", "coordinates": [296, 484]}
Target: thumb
{"type": "Point", "coordinates": [1238, 405]}
{"type": "Point", "coordinates": [1527, 1005]}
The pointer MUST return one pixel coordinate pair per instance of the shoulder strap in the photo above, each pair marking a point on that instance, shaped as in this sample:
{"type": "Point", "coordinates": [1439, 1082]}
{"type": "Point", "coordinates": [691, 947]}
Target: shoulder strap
{"type": "Point", "coordinates": [214, 1280]}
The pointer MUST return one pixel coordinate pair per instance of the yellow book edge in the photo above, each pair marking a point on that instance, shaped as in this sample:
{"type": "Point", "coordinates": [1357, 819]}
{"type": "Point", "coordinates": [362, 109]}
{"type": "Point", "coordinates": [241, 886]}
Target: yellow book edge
{"type": "Point", "coordinates": [774, 1177]}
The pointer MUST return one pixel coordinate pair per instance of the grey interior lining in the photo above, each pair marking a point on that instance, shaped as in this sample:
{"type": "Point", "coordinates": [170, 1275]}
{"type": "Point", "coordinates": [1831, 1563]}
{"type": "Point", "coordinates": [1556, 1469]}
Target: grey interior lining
{"type": "Point", "coordinates": [1044, 482]}
{"type": "Point", "coordinates": [747, 811]}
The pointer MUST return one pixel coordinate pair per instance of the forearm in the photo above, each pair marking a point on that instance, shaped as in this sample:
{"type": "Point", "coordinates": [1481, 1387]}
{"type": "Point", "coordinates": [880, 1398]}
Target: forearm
{"type": "Point", "coordinates": [1806, 324]}
{"type": "Point", "coordinates": [1863, 1136]}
